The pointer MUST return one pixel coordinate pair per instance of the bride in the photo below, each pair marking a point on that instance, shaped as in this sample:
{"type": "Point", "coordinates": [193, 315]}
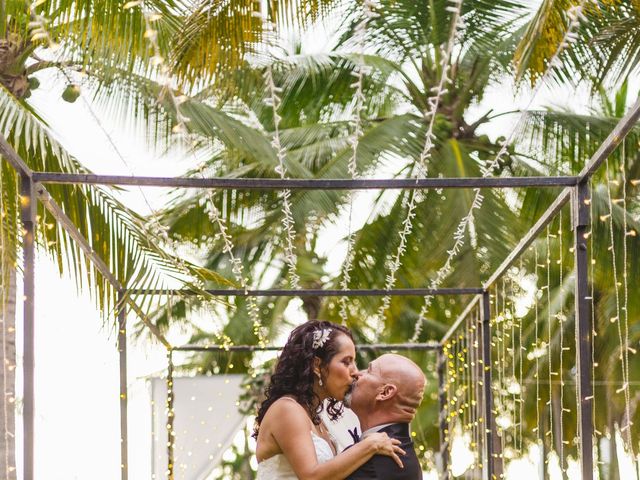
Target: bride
{"type": "Point", "coordinates": [316, 364]}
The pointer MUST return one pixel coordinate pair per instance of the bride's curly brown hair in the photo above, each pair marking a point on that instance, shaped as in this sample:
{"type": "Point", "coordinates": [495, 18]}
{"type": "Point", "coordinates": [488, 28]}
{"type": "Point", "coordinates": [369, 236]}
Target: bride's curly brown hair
{"type": "Point", "coordinates": [294, 376]}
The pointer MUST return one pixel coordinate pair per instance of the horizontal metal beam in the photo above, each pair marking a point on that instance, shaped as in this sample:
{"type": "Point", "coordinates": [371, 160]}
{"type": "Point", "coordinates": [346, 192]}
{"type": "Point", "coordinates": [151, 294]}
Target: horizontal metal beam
{"type": "Point", "coordinates": [311, 292]}
{"type": "Point", "coordinates": [619, 132]}
{"type": "Point", "coordinates": [65, 222]}
{"type": "Point", "coordinates": [300, 184]}
{"type": "Point", "coordinates": [531, 235]}
{"type": "Point", "coordinates": [254, 348]}
{"type": "Point", "coordinates": [461, 318]}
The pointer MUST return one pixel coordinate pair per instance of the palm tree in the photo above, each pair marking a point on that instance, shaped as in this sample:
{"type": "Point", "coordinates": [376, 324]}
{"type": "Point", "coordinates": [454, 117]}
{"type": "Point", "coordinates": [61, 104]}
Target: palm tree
{"type": "Point", "coordinates": [235, 127]}
{"type": "Point", "coordinates": [115, 49]}
{"type": "Point", "coordinates": [119, 236]}
{"type": "Point", "coordinates": [404, 55]}
{"type": "Point", "coordinates": [106, 42]}
{"type": "Point", "coordinates": [606, 47]}
{"type": "Point", "coordinates": [316, 105]}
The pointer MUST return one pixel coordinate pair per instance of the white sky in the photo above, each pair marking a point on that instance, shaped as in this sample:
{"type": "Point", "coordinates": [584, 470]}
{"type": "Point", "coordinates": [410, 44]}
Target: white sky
{"type": "Point", "coordinates": [77, 424]}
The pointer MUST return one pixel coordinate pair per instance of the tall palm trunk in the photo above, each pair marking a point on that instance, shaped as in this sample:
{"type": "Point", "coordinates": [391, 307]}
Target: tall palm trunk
{"type": "Point", "coordinates": [13, 74]}
{"type": "Point", "coordinates": [311, 305]}
{"type": "Point", "coordinates": [7, 374]}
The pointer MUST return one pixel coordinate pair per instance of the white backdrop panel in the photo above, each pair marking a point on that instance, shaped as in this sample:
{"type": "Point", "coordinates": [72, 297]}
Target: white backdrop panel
{"type": "Point", "coordinates": [206, 421]}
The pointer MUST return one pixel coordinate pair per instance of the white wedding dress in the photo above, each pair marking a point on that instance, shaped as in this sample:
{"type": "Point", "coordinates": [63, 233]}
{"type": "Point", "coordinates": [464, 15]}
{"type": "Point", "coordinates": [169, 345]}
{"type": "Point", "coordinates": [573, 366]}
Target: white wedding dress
{"type": "Point", "coordinates": [278, 467]}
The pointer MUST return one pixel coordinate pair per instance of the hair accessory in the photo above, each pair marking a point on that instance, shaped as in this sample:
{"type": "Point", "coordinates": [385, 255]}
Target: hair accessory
{"type": "Point", "coordinates": [320, 337]}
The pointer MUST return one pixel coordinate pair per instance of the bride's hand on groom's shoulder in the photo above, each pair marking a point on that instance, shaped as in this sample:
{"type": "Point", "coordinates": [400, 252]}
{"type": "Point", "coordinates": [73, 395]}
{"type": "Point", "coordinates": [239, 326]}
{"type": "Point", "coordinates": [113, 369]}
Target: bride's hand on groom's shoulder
{"type": "Point", "coordinates": [383, 445]}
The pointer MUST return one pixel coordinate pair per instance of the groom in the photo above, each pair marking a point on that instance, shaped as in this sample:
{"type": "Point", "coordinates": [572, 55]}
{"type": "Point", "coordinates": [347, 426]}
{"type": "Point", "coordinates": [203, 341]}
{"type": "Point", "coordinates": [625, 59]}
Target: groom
{"type": "Point", "coordinates": [385, 398]}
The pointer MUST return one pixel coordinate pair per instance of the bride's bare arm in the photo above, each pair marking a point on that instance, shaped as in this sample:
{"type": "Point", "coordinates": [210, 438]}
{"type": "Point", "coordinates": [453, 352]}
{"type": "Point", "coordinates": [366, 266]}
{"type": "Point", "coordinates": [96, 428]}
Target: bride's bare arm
{"type": "Point", "coordinates": [290, 428]}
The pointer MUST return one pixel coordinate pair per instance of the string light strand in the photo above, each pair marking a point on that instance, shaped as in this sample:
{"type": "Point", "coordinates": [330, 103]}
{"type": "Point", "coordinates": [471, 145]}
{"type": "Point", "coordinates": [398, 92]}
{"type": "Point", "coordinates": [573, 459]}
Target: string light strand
{"type": "Point", "coordinates": [360, 70]}
{"type": "Point", "coordinates": [455, 8]}
{"type": "Point", "coordinates": [288, 223]}
{"type": "Point", "coordinates": [576, 16]}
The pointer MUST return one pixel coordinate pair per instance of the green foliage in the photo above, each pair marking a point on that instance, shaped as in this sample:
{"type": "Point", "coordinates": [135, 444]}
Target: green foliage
{"type": "Point", "coordinates": [404, 54]}
{"type": "Point", "coordinates": [216, 56]}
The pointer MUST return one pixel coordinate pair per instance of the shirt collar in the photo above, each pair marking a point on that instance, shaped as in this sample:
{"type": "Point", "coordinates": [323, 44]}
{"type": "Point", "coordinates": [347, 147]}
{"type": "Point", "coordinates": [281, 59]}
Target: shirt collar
{"type": "Point", "coordinates": [375, 429]}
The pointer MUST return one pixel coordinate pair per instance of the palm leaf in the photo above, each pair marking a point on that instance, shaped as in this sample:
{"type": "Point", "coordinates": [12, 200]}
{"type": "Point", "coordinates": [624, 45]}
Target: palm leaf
{"type": "Point", "coordinates": [117, 234]}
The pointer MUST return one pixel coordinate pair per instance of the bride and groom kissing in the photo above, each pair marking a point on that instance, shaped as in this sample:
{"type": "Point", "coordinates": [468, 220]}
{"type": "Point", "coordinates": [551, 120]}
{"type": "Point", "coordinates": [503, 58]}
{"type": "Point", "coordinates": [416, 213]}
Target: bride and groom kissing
{"type": "Point", "coordinates": [317, 371]}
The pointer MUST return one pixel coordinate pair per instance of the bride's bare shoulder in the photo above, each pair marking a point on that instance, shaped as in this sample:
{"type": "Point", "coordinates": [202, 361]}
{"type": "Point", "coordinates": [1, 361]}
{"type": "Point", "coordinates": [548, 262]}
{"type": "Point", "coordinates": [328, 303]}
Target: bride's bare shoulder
{"type": "Point", "coordinates": [286, 410]}
{"type": "Point", "coordinates": [286, 403]}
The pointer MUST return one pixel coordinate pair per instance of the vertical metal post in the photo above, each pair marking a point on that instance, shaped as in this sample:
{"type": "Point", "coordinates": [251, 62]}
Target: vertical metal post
{"type": "Point", "coordinates": [492, 461]}
{"type": "Point", "coordinates": [28, 217]}
{"type": "Point", "coordinates": [444, 423]}
{"type": "Point", "coordinates": [580, 221]}
{"type": "Point", "coordinates": [122, 357]}
{"type": "Point", "coordinates": [170, 415]}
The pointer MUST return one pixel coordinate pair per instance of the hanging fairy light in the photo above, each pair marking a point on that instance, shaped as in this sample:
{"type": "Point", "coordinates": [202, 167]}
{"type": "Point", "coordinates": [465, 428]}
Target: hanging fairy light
{"type": "Point", "coordinates": [550, 337]}
{"type": "Point", "coordinates": [623, 338]}
{"type": "Point", "coordinates": [476, 379]}
{"type": "Point", "coordinates": [513, 387]}
{"type": "Point", "coordinates": [576, 16]}
{"type": "Point", "coordinates": [561, 319]}
{"type": "Point", "coordinates": [359, 72]}
{"type": "Point", "coordinates": [521, 348]}
{"type": "Point", "coordinates": [274, 101]}
{"type": "Point", "coordinates": [237, 268]}
{"type": "Point", "coordinates": [180, 128]}
{"type": "Point", "coordinates": [502, 414]}
{"type": "Point", "coordinates": [171, 436]}
{"type": "Point", "coordinates": [625, 280]}
{"type": "Point", "coordinates": [536, 345]}
{"type": "Point", "coordinates": [457, 24]}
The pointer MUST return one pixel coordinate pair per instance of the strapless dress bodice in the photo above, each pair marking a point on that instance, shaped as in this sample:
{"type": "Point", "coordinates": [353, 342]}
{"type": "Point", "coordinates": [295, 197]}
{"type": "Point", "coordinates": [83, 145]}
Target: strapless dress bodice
{"type": "Point", "coordinates": [279, 468]}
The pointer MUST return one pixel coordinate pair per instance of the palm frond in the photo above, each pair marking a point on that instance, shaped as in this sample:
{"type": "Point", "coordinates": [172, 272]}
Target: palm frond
{"type": "Point", "coordinates": [119, 236]}
{"type": "Point", "coordinates": [583, 59]}
{"type": "Point", "coordinates": [200, 53]}
{"type": "Point", "coordinates": [103, 29]}
{"type": "Point", "coordinates": [614, 41]}
{"type": "Point", "coordinates": [564, 141]}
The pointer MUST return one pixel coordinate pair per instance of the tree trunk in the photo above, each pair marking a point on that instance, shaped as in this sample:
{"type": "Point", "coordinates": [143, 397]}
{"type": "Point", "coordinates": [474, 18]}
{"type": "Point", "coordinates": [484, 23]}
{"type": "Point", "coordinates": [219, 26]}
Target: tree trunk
{"type": "Point", "coordinates": [7, 374]}
{"type": "Point", "coordinates": [13, 74]}
{"type": "Point", "coordinates": [311, 305]}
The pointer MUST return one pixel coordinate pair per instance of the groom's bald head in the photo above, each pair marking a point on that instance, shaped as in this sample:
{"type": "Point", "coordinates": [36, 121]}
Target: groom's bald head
{"type": "Point", "coordinates": [390, 390]}
{"type": "Point", "coordinates": [407, 377]}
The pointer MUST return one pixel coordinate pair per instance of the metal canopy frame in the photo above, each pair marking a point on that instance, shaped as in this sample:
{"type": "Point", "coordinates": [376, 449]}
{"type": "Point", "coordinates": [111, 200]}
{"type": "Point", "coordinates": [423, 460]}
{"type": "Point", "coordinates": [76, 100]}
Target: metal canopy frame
{"type": "Point", "coordinates": [574, 189]}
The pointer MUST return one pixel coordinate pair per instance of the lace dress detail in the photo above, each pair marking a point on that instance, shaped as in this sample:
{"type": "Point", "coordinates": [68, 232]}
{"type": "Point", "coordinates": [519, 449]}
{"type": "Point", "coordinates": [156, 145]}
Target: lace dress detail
{"type": "Point", "coordinates": [278, 467]}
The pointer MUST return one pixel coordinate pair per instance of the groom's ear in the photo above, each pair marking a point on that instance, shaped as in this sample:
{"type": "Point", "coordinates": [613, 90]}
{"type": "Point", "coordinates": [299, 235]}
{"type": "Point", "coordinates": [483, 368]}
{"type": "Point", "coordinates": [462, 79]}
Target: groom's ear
{"type": "Point", "coordinates": [388, 391]}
